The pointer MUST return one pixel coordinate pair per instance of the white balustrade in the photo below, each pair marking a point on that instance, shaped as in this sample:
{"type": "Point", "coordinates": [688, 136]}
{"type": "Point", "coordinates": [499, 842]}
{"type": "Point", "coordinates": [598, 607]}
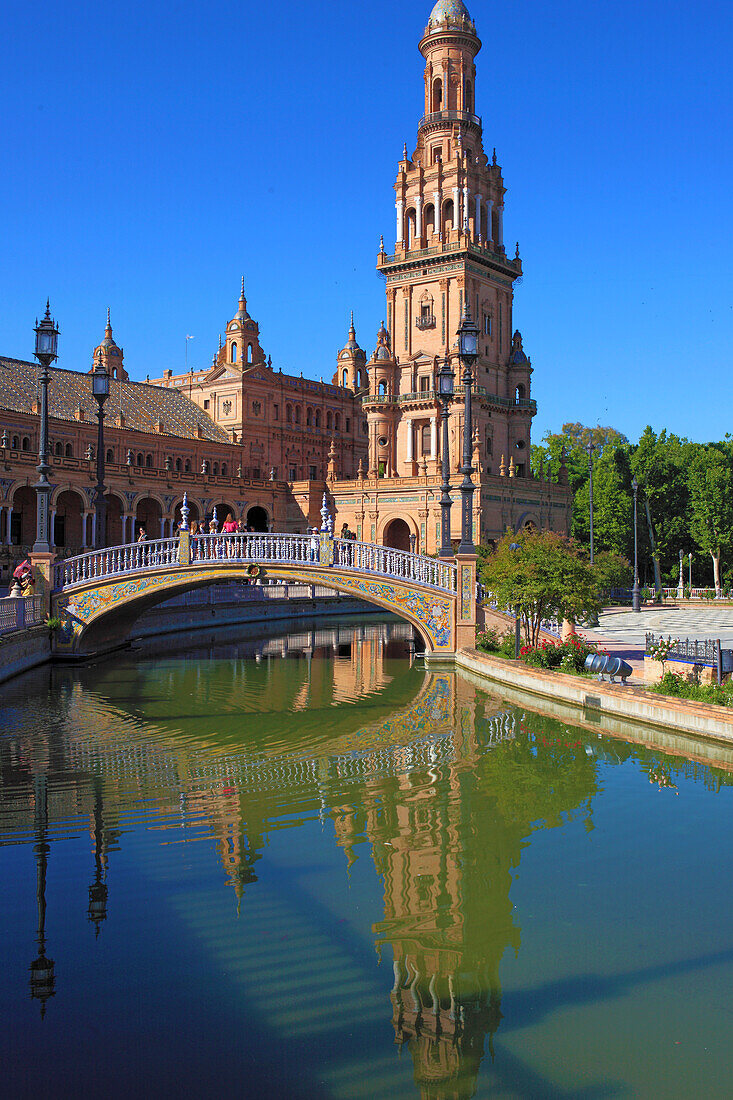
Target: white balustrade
{"type": "Point", "coordinates": [255, 549]}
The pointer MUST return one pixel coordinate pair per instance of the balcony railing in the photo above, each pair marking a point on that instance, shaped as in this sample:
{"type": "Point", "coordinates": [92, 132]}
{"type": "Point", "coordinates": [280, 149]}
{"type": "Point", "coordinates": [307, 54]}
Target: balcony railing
{"type": "Point", "coordinates": [425, 320]}
{"type": "Point", "coordinates": [477, 249]}
{"type": "Point", "coordinates": [437, 117]}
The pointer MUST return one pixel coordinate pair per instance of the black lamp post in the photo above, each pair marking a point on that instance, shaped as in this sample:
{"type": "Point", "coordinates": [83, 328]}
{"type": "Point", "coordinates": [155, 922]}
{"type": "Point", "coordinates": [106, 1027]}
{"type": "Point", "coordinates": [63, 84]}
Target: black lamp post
{"type": "Point", "coordinates": [590, 495]}
{"type": "Point", "coordinates": [445, 395]}
{"type": "Point", "coordinates": [635, 603]}
{"type": "Point", "coordinates": [468, 335]}
{"type": "Point", "coordinates": [47, 338]}
{"type": "Point", "coordinates": [100, 390]}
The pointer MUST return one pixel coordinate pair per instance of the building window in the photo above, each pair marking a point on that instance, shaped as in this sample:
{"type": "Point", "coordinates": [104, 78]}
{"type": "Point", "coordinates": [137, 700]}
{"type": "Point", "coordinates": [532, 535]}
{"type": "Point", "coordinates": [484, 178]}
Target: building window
{"type": "Point", "coordinates": [382, 389]}
{"type": "Point", "coordinates": [256, 473]}
{"type": "Point", "coordinates": [289, 414]}
{"type": "Point", "coordinates": [348, 424]}
{"type": "Point", "coordinates": [275, 412]}
{"type": "Point", "coordinates": [223, 469]}
{"type": "Point", "coordinates": [149, 462]}
{"type": "Point", "coordinates": [234, 353]}
{"type": "Point", "coordinates": [519, 396]}
{"type": "Point", "coordinates": [69, 451]}
{"type": "Point", "coordinates": [293, 473]}
{"type": "Point", "coordinates": [206, 404]}
{"type": "Point", "coordinates": [26, 445]}
{"type": "Point", "coordinates": [345, 378]}
{"type": "Point", "coordinates": [489, 445]}
{"type": "Point", "coordinates": [14, 443]}
{"type": "Point", "coordinates": [437, 154]}
{"type": "Point", "coordinates": [249, 353]}
{"type": "Point", "coordinates": [337, 422]}
{"type": "Point", "coordinates": [216, 469]}
{"type": "Point", "coordinates": [308, 416]}
{"type": "Point", "coordinates": [318, 418]}
{"type": "Point", "coordinates": [425, 439]}
{"type": "Point", "coordinates": [187, 468]}
{"type": "Point", "coordinates": [312, 473]}
{"type": "Point", "coordinates": [329, 420]}
{"type": "Point", "coordinates": [110, 456]}
{"type": "Point", "coordinates": [179, 465]}
{"type": "Point", "coordinates": [140, 459]}
{"type": "Point", "coordinates": [297, 414]}
{"type": "Point", "coordinates": [424, 383]}
{"type": "Point", "coordinates": [487, 324]}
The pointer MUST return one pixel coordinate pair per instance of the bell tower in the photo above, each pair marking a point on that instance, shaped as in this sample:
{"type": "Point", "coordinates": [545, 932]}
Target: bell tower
{"type": "Point", "coordinates": [449, 251]}
{"type": "Point", "coordinates": [111, 355]}
{"type": "Point", "coordinates": [242, 346]}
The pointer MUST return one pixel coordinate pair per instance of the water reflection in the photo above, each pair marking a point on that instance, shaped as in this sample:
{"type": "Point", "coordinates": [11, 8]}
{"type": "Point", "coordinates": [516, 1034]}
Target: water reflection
{"type": "Point", "coordinates": [441, 784]}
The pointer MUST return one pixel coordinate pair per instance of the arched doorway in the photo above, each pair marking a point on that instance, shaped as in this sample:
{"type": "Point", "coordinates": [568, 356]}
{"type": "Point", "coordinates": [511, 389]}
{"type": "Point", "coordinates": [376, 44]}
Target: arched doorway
{"type": "Point", "coordinates": [148, 515]}
{"type": "Point", "coordinates": [397, 535]}
{"type": "Point", "coordinates": [67, 528]}
{"type": "Point", "coordinates": [223, 510]}
{"type": "Point", "coordinates": [23, 518]}
{"type": "Point", "coordinates": [114, 521]}
{"type": "Point", "coordinates": [257, 519]}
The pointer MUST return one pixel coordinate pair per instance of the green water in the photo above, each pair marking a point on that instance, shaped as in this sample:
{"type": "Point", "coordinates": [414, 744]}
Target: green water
{"type": "Point", "coordinates": [307, 867]}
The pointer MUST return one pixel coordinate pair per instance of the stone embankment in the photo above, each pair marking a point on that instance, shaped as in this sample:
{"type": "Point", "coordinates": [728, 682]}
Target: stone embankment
{"type": "Point", "coordinates": [603, 705]}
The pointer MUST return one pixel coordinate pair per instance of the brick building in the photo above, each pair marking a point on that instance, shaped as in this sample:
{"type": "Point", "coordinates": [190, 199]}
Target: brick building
{"type": "Point", "coordinates": [244, 437]}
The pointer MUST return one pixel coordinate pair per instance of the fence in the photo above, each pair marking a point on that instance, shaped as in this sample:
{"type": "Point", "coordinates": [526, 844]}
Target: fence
{"type": "Point", "coordinates": [19, 612]}
{"type": "Point", "coordinates": [706, 652]}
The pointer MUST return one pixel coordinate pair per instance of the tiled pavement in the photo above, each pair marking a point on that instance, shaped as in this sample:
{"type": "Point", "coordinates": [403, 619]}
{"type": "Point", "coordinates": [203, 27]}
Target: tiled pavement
{"type": "Point", "coordinates": [622, 632]}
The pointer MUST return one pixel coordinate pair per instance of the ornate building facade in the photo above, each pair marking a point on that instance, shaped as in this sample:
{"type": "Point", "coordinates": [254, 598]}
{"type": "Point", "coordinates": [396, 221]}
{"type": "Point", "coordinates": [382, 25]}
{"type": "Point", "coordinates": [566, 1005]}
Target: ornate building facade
{"type": "Point", "coordinates": [244, 437]}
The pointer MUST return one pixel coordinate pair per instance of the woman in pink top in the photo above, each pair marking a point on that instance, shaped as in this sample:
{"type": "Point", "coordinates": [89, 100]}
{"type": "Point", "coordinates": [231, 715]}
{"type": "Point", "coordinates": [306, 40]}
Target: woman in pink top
{"type": "Point", "coordinates": [229, 527]}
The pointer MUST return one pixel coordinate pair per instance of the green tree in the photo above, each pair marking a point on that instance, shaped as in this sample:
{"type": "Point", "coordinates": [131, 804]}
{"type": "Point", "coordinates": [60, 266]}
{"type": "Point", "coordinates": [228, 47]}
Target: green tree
{"type": "Point", "coordinates": [711, 490]}
{"type": "Point", "coordinates": [547, 576]}
{"type": "Point", "coordinates": [612, 570]}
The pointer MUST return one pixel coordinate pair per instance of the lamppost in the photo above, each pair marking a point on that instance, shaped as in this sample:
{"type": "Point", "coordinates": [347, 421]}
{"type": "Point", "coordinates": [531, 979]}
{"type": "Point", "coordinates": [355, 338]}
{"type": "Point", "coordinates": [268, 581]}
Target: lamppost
{"type": "Point", "coordinates": [635, 602]}
{"type": "Point", "coordinates": [690, 574]}
{"type": "Point", "coordinates": [445, 395]}
{"type": "Point", "coordinates": [590, 495]}
{"type": "Point", "coordinates": [47, 337]}
{"type": "Point", "coordinates": [593, 620]}
{"type": "Point", "coordinates": [100, 390]}
{"type": "Point", "coordinates": [468, 335]}
{"type": "Point", "coordinates": [681, 585]}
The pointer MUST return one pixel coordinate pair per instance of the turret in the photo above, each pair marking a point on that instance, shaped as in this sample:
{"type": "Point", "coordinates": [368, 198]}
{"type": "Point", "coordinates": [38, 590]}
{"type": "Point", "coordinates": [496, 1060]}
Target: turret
{"type": "Point", "coordinates": [351, 370]}
{"type": "Point", "coordinates": [242, 346]}
{"type": "Point", "coordinates": [381, 408]}
{"type": "Point", "coordinates": [111, 355]}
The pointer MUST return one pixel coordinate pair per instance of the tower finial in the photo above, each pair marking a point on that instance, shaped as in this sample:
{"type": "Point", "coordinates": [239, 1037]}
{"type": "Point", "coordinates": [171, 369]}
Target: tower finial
{"type": "Point", "coordinates": [493, 158]}
{"type": "Point", "coordinates": [381, 242]}
{"type": "Point", "coordinates": [404, 152]}
{"type": "Point", "coordinates": [108, 321]}
{"type": "Point", "coordinates": [516, 254]}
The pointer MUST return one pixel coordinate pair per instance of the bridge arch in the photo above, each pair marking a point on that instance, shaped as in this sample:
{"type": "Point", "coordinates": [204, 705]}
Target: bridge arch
{"type": "Point", "coordinates": [396, 531]}
{"type": "Point", "coordinates": [258, 518]}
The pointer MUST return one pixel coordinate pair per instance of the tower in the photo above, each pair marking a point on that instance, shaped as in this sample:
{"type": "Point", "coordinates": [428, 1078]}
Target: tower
{"type": "Point", "coordinates": [242, 346]}
{"type": "Point", "coordinates": [382, 409]}
{"type": "Point", "coordinates": [350, 371]}
{"type": "Point", "coordinates": [112, 356]}
{"type": "Point", "coordinates": [449, 253]}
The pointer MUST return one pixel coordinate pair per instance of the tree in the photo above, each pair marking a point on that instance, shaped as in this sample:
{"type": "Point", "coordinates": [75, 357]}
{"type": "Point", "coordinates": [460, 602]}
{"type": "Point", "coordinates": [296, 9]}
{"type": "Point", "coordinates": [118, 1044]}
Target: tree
{"type": "Point", "coordinates": [547, 576]}
{"type": "Point", "coordinates": [612, 570]}
{"type": "Point", "coordinates": [711, 490]}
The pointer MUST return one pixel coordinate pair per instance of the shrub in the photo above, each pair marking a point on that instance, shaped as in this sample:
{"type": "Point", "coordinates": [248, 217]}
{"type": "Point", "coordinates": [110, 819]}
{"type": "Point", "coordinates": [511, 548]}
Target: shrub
{"type": "Point", "coordinates": [679, 688]}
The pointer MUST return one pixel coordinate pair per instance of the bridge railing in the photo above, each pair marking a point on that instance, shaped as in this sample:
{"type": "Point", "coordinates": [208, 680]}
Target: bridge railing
{"type": "Point", "coordinates": [367, 557]}
{"type": "Point", "coordinates": [256, 549]}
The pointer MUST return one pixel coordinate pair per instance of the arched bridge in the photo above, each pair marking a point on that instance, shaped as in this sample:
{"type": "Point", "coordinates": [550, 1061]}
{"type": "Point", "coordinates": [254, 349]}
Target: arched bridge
{"type": "Point", "coordinates": [437, 597]}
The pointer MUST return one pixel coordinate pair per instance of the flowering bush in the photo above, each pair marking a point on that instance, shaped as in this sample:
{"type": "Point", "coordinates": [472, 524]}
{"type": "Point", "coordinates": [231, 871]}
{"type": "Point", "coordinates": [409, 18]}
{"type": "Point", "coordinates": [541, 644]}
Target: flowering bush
{"type": "Point", "coordinates": [662, 649]}
{"type": "Point", "coordinates": [569, 656]}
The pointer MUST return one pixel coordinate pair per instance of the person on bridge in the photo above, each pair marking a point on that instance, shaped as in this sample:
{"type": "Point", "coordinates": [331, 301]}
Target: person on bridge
{"type": "Point", "coordinates": [142, 536]}
{"type": "Point", "coordinates": [229, 527]}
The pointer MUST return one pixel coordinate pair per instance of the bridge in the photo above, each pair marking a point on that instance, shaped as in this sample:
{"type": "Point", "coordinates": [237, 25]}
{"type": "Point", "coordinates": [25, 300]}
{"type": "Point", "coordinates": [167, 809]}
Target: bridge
{"type": "Point", "coordinates": [94, 592]}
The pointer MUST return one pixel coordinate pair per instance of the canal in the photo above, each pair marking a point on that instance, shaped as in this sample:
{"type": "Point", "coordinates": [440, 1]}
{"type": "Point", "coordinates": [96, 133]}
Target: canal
{"type": "Point", "coordinates": [304, 866]}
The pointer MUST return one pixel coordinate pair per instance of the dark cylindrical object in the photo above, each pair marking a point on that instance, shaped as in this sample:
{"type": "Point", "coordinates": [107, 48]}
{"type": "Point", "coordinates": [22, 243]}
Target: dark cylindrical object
{"type": "Point", "coordinates": [609, 666]}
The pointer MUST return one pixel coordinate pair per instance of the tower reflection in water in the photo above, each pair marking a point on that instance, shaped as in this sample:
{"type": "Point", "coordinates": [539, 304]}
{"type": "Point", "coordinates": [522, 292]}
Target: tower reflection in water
{"type": "Point", "coordinates": [441, 783]}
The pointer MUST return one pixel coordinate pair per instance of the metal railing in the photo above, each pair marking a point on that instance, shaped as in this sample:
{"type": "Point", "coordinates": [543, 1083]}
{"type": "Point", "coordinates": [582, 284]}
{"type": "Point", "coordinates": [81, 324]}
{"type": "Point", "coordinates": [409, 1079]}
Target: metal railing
{"type": "Point", "coordinates": [255, 549]}
{"type": "Point", "coordinates": [699, 651]}
{"type": "Point", "coordinates": [449, 116]}
{"type": "Point", "coordinates": [20, 612]}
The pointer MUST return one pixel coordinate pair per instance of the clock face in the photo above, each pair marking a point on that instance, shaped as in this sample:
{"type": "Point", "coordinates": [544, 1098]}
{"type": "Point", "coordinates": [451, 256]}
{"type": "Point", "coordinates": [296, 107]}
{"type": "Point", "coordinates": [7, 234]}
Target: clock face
{"type": "Point", "coordinates": [232, 327]}
{"type": "Point", "coordinates": [344, 355]}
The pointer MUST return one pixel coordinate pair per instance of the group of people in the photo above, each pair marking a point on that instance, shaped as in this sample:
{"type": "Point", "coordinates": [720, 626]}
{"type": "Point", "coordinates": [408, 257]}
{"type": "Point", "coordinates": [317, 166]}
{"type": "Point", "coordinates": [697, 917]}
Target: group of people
{"type": "Point", "coordinates": [230, 526]}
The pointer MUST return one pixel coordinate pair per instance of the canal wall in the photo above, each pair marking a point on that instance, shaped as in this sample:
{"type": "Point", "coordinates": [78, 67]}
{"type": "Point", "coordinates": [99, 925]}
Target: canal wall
{"type": "Point", "coordinates": [22, 650]}
{"type": "Point", "coordinates": [598, 702]}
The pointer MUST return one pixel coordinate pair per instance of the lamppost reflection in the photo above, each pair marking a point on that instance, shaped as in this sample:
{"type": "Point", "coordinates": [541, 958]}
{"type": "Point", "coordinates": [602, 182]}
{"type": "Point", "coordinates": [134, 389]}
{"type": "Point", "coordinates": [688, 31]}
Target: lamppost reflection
{"type": "Point", "coordinates": [43, 978]}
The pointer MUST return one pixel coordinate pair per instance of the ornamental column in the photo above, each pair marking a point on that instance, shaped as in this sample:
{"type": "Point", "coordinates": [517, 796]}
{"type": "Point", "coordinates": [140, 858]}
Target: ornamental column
{"type": "Point", "coordinates": [438, 206]}
{"type": "Point", "coordinates": [500, 226]}
{"type": "Point", "coordinates": [490, 220]}
{"type": "Point", "coordinates": [418, 216]}
{"type": "Point", "coordinates": [479, 200]}
{"type": "Point", "coordinates": [400, 208]}
{"type": "Point", "coordinates": [465, 209]}
{"type": "Point", "coordinates": [456, 207]}
{"type": "Point", "coordinates": [434, 437]}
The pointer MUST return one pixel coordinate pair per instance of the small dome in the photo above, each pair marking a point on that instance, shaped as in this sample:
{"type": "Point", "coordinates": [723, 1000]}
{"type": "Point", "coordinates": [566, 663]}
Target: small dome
{"type": "Point", "coordinates": [449, 11]}
{"type": "Point", "coordinates": [382, 352]}
{"type": "Point", "coordinates": [351, 347]}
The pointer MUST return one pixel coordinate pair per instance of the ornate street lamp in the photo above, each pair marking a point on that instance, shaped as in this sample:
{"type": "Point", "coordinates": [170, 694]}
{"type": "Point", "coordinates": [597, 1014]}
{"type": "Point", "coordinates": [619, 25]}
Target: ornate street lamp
{"type": "Point", "coordinates": [445, 395]}
{"type": "Point", "coordinates": [100, 390]}
{"type": "Point", "coordinates": [635, 602]}
{"type": "Point", "coordinates": [47, 338]}
{"type": "Point", "coordinates": [468, 335]}
{"type": "Point", "coordinates": [690, 574]}
{"type": "Point", "coordinates": [681, 585]}
{"type": "Point", "coordinates": [590, 495]}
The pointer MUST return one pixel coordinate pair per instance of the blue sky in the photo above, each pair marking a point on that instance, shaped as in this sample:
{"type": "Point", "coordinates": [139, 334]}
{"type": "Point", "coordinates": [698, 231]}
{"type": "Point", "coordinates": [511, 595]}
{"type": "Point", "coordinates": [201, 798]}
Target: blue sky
{"type": "Point", "coordinates": [153, 152]}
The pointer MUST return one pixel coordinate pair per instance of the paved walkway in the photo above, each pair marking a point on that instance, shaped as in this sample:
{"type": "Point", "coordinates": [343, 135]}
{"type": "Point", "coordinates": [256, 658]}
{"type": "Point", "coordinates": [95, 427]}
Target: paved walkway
{"type": "Point", "coordinates": [622, 632]}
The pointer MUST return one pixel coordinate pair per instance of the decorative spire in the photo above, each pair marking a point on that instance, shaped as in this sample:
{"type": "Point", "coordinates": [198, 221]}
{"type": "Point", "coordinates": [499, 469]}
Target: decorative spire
{"type": "Point", "coordinates": [381, 242]}
{"type": "Point", "coordinates": [493, 158]}
{"type": "Point", "coordinates": [404, 152]}
{"type": "Point", "coordinates": [184, 513]}
{"type": "Point", "coordinates": [502, 467]}
{"type": "Point", "coordinates": [516, 254]}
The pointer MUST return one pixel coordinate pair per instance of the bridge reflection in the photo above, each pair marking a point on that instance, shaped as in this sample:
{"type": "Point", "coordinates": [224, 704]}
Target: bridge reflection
{"type": "Point", "coordinates": [441, 784]}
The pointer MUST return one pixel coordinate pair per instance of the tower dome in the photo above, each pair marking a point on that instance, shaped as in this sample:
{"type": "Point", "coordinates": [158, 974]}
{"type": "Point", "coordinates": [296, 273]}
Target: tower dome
{"type": "Point", "coordinates": [449, 11]}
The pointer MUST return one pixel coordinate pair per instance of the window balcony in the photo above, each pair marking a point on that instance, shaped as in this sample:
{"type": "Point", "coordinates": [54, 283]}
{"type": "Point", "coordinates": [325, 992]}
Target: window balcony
{"type": "Point", "coordinates": [425, 320]}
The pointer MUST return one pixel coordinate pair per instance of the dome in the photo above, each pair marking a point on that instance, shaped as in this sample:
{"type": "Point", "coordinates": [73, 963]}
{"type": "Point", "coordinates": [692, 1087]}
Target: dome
{"type": "Point", "coordinates": [382, 352]}
{"type": "Point", "coordinates": [449, 11]}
